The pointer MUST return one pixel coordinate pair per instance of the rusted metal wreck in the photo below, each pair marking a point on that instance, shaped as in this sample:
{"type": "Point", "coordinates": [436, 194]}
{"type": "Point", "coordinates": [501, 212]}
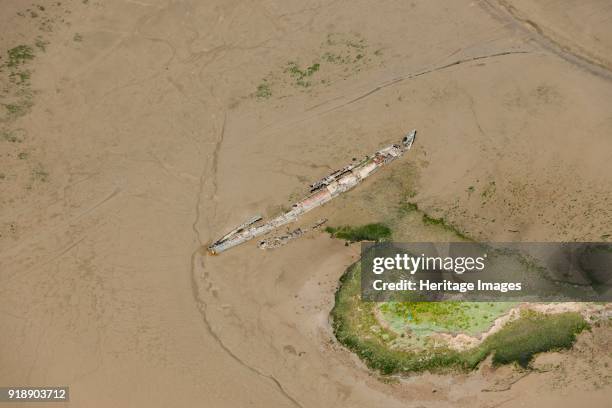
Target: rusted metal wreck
{"type": "Point", "coordinates": [322, 191]}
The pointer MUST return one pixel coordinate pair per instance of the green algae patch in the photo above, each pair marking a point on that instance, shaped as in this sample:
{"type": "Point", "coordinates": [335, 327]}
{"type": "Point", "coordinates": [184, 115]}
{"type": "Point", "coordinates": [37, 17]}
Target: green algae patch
{"type": "Point", "coordinates": [426, 318]}
{"type": "Point", "coordinates": [401, 350]}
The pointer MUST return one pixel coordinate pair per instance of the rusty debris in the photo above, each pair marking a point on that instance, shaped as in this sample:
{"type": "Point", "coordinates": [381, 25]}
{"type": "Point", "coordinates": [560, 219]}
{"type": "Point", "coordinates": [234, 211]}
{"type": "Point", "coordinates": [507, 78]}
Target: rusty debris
{"type": "Point", "coordinates": [280, 240]}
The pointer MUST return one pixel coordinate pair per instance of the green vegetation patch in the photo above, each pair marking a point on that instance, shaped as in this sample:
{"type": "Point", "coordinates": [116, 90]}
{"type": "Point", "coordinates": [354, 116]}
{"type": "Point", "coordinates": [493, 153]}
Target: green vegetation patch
{"type": "Point", "coordinates": [441, 222]}
{"type": "Point", "coordinates": [409, 207]}
{"type": "Point", "coordinates": [301, 76]}
{"type": "Point", "coordinates": [18, 108]}
{"type": "Point", "coordinates": [356, 327]}
{"type": "Point", "coordinates": [40, 174]}
{"type": "Point", "coordinates": [11, 136]}
{"type": "Point", "coordinates": [20, 77]}
{"type": "Point", "coordinates": [41, 44]}
{"type": "Point", "coordinates": [368, 232]}
{"type": "Point", "coordinates": [263, 90]}
{"type": "Point", "coordinates": [17, 98]}
{"type": "Point", "coordinates": [533, 333]}
{"type": "Point", "coordinates": [340, 56]}
{"type": "Point", "coordinates": [17, 101]}
{"type": "Point", "coordinates": [488, 191]}
{"type": "Point", "coordinates": [19, 55]}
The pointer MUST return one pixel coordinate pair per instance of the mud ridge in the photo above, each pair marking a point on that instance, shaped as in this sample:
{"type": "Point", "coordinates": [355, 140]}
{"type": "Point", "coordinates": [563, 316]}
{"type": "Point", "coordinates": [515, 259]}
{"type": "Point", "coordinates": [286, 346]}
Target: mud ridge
{"type": "Point", "coordinates": [276, 126]}
{"type": "Point", "coordinates": [429, 71]}
{"type": "Point", "coordinates": [197, 256]}
{"type": "Point", "coordinates": [202, 308]}
{"type": "Point", "coordinates": [572, 54]}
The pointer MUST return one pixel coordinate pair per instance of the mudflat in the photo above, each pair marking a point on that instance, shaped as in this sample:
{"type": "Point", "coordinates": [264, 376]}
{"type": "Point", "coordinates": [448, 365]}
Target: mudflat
{"type": "Point", "coordinates": [134, 133]}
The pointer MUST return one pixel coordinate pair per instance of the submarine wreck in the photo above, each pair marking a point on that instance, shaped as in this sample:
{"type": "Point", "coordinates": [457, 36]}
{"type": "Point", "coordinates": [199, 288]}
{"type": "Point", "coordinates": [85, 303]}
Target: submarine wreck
{"type": "Point", "coordinates": [322, 191]}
